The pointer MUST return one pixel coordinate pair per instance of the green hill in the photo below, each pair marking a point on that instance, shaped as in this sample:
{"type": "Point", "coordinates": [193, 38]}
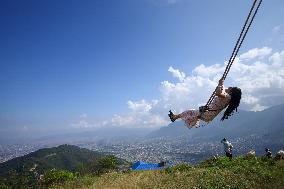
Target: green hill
{"type": "Point", "coordinates": [66, 157]}
{"type": "Point", "coordinates": [24, 171]}
{"type": "Point", "coordinates": [215, 173]}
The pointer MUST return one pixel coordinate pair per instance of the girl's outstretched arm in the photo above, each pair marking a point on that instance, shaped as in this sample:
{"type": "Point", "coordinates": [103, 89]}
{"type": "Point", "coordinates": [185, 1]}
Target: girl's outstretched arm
{"type": "Point", "coordinates": [219, 91]}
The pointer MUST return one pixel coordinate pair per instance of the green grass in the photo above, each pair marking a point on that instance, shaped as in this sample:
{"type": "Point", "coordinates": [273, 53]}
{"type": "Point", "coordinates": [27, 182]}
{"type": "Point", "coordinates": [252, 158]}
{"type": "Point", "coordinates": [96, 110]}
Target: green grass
{"type": "Point", "coordinates": [218, 173]}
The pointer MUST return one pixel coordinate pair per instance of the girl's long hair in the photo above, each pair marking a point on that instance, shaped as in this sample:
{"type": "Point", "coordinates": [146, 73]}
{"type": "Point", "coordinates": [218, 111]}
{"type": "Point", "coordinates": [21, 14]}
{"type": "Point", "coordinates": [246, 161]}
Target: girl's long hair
{"type": "Point", "coordinates": [236, 95]}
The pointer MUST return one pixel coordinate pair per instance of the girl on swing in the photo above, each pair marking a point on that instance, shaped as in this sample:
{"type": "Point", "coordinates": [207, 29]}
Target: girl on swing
{"type": "Point", "coordinates": [229, 98]}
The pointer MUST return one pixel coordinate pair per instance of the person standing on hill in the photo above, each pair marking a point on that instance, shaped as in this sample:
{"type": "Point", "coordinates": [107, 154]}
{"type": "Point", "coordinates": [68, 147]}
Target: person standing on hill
{"type": "Point", "coordinates": [268, 153]}
{"type": "Point", "coordinates": [228, 147]}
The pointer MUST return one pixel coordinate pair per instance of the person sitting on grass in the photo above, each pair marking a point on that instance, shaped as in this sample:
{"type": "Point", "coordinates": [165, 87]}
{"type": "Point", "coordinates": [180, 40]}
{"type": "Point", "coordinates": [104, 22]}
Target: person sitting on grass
{"type": "Point", "coordinates": [228, 147]}
{"type": "Point", "coordinates": [229, 98]}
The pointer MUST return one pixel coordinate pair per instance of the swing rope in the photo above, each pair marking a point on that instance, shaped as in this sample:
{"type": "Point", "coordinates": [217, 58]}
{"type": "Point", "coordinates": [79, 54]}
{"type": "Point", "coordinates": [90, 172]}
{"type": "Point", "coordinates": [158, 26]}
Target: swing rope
{"type": "Point", "coordinates": [237, 47]}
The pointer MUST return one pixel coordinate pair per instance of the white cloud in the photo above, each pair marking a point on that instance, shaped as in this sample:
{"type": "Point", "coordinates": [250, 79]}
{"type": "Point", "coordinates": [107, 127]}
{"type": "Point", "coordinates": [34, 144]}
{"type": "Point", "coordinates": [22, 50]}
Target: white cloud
{"type": "Point", "coordinates": [256, 53]}
{"type": "Point", "coordinates": [176, 73]}
{"type": "Point", "coordinates": [141, 114]}
{"type": "Point", "coordinates": [209, 71]}
{"type": "Point", "coordinates": [277, 59]}
{"type": "Point", "coordinates": [82, 123]}
{"type": "Point", "coordinates": [122, 120]}
{"type": "Point", "coordinates": [140, 106]}
{"type": "Point", "coordinates": [257, 72]}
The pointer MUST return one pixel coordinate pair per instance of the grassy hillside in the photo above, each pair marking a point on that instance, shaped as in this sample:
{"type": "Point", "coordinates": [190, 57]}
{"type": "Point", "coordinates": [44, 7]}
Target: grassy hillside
{"type": "Point", "coordinates": [66, 157]}
{"type": "Point", "coordinates": [218, 173]}
{"type": "Point", "coordinates": [66, 160]}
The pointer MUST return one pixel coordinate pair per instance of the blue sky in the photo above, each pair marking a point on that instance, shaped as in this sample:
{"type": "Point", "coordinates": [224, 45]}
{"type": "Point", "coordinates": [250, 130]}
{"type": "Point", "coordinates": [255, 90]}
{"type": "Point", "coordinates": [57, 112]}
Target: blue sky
{"type": "Point", "coordinates": [64, 62]}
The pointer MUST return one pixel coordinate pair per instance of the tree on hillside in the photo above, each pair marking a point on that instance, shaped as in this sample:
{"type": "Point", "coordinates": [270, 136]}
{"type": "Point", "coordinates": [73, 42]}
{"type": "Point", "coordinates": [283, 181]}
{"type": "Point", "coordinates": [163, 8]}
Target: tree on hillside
{"type": "Point", "coordinates": [104, 164]}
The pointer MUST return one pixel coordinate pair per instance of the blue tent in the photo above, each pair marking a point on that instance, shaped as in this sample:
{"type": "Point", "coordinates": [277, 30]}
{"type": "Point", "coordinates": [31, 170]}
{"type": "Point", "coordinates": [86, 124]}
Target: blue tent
{"type": "Point", "coordinates": [140, 165]}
